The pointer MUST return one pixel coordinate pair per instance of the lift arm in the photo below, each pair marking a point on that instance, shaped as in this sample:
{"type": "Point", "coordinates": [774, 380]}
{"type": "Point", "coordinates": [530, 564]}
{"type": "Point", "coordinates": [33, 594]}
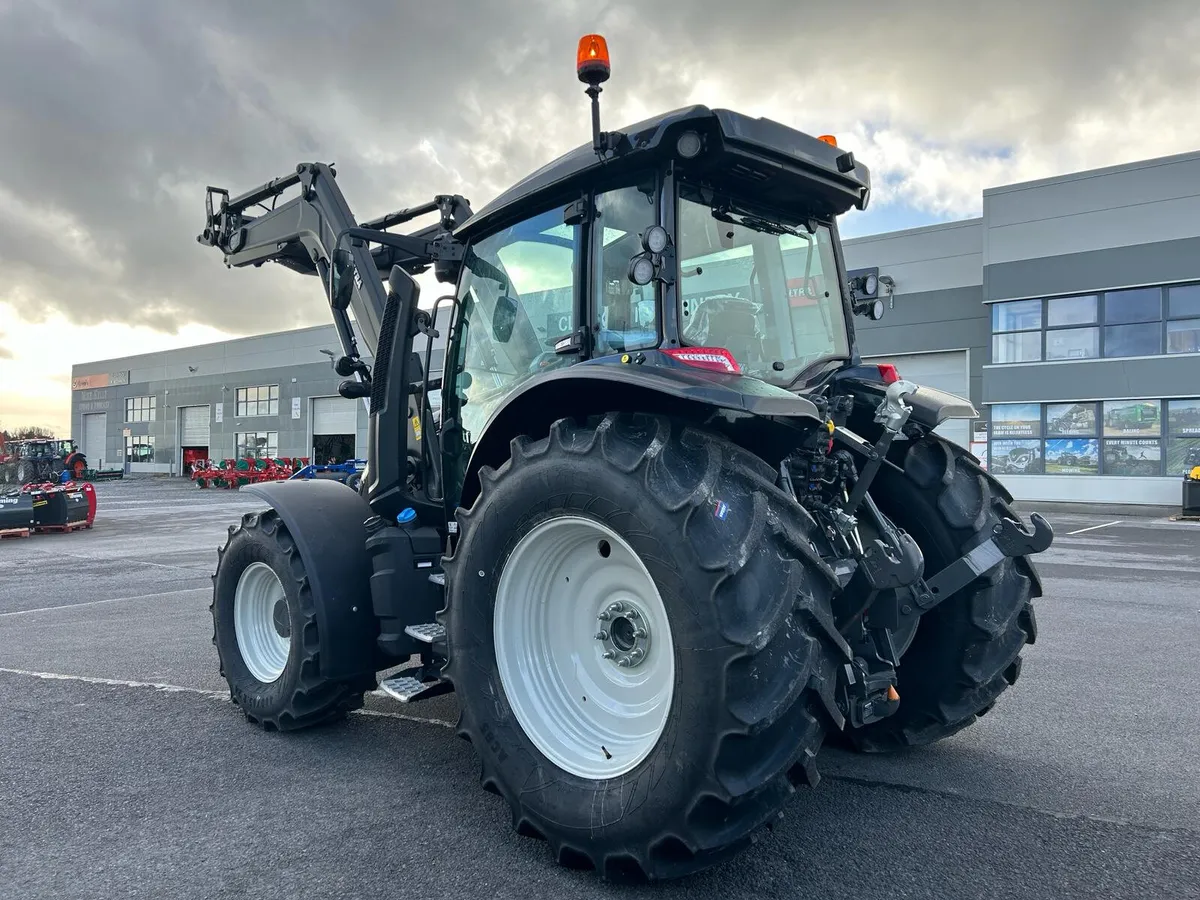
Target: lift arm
{"type": "Point", "coordinates": [316, 233]}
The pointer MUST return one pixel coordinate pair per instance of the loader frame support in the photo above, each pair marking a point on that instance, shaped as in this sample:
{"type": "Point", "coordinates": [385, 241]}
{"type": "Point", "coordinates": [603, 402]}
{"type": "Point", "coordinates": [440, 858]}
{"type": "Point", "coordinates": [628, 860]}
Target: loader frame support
{"type": "Point", "coordinates": [316, 233]}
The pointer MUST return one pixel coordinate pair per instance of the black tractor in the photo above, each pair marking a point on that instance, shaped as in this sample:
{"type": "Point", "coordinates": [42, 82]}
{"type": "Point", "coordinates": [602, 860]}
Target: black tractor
{"type": "Point", "coordinates": [38, 460]}
{"type": "Point", "coordinates": [668, 533]}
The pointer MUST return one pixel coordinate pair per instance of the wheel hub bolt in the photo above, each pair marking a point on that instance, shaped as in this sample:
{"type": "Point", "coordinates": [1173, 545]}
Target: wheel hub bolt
{"type": "Point", "coordinates": [624, 634]}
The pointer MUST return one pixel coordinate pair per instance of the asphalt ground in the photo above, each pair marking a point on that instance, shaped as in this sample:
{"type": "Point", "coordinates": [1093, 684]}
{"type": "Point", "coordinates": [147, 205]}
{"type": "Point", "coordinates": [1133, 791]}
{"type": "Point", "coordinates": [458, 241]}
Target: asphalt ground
{"type": "Point", "coordinates": [126, 772]}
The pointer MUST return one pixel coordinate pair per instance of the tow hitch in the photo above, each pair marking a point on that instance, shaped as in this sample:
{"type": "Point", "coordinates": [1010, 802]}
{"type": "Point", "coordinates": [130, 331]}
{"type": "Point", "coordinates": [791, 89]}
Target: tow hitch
{"type": "Point", "coordinates": [1009, 538]}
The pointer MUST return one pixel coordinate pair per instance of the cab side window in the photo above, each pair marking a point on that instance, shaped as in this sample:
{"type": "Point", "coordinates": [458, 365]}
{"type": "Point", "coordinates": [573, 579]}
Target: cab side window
{"type": "Point", "coordinates": [516, 298]}
{"type": "Point", "coordinates": [627, 313]}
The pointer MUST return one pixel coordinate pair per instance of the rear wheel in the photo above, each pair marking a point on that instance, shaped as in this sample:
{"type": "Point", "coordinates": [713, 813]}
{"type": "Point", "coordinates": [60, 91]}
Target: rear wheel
{"type": "Point", "coordinates": [966, 651]}
{"type": "Point", "coordinates": [266, 632]}
{"type": "Point", "coordinates": [641, 643]}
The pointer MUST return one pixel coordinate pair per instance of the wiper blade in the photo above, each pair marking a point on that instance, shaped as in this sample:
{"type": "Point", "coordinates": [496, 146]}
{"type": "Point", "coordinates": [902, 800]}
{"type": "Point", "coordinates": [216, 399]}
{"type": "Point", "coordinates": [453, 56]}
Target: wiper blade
{"type": "Point", "coordinates": [728, 214]}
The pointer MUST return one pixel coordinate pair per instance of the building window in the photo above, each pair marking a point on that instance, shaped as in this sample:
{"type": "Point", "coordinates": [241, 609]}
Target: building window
{"type": "Point", "coordinates": [1130, 438]}
{"type": "Point", "coordinates": [1183, 336]}
{"type": "Point", "coordinates": [139, 448]}
{"type": "Point", "coordinates": [1071, 311]}
{"type": "Point", "coordinates": [1183, 300]}
{"type": "Point", "coordinates": [1073, 343]}
{"type": "Point", "coordinates": [257, 444]}
{"type": "Point", "coordinates": [1140, 305]}
{"type": "Point", "coordinates": [1111, 325]}
{"type": "Point", "coordinates": [1024, 346]}
{"type": "Point", "coordinates": [1017, 315]}
{"type": "Point", "coordinates": [1133, 340]}
{"type": "Point", "coordinates": [1017, 331]}
{"type": "Point", "coordinates": [140, 409]}
{"type": "Point", "coordinates": [258, 401]}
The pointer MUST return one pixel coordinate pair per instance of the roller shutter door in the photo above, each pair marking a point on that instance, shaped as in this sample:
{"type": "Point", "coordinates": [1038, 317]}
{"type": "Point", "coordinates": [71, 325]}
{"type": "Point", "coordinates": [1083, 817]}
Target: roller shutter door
{"type": "Point", "coordinates": [193, 426]}
{"type": "Point", "coordinates": [335, 415]}
{"type": "Point", "coordinates": [95, 428]}
{"type": "Point", "coordinates": [945, 371]}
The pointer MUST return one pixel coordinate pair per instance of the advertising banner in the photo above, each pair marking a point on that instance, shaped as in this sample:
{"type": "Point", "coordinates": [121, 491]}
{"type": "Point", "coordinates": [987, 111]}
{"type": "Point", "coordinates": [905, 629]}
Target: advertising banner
{"type": "Point", "coordinates": [1132, 457]}
{"type": "Point", "coordinates": [1071, 420]}
{"type": "Point", "coordinates": [1016, 420]}
{"type": "Point", "coordinates": [1183, 417]}
{"type": "Point", "coordinates": [1016, 457]}
{"type": "Point", "coordinates": [1132, 417]}
{"type": "Point", "coordinates": [1073, 457]}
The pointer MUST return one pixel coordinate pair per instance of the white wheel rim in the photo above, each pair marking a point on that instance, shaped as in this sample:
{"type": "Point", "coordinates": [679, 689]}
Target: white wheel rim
{"type": "Point", "coordinates": [261, 622]}
{"type": "Point", "coordinates": [589, 715]}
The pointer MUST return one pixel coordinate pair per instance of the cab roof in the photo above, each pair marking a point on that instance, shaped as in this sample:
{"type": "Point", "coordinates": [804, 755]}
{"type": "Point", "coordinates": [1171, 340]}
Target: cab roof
{"type": "Point", "coordinates": [772, 159]}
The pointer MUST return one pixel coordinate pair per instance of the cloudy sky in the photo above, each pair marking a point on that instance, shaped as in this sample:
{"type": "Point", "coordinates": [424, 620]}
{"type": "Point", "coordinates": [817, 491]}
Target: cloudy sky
{"type": "Point", "coordinates": [115, 114]}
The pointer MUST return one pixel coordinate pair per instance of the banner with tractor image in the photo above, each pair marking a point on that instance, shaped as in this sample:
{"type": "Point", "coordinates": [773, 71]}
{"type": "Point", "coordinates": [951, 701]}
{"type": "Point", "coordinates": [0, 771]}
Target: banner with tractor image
{"type": "Point", "coordinates": [1073, 457]}
{"type": "Point", "coordinates": [1016, 458]}
{"type": "Point", "coordinates": [1132, 417]}
{"type": "Point", "coordinates": [1133, 456]}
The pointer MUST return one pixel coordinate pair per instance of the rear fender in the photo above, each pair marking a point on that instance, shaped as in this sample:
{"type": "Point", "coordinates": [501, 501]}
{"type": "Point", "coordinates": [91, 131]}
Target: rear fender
{"type": "Point", "coordinates": [326, 519]}
{"type": "Point", "coordinates": [606, 385]}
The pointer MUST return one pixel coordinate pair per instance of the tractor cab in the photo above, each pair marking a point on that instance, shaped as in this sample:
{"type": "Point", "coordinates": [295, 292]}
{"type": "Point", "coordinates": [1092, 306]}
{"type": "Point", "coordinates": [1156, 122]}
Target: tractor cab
{"type": "Point", "coordinates": [700, 245]}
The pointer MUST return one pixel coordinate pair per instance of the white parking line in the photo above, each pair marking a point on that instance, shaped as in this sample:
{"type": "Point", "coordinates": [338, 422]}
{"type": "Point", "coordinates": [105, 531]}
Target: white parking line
{"type": "Point", "coordinates": [1094, 527]}
{"type": "Point", "coordinates": [27, 612]}
{"type": "Point", "coordinates": [199, 692]}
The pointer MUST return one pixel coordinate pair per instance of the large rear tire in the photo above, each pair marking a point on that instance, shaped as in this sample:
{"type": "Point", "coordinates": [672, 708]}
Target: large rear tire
{"type": "Point", "coordinates": [967, 651]}
{"type": "Point", "coordinates": [266, 632]}
{"type": "Point", "coordinates": [658, 764]}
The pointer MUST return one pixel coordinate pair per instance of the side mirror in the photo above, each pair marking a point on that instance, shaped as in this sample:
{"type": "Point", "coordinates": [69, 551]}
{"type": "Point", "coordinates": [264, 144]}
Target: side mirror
{"type": "Point", "coordinates": [504, 319]}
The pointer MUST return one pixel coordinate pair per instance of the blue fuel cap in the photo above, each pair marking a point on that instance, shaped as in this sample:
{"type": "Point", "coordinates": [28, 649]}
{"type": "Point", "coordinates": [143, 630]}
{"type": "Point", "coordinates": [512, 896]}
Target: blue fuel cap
{"type": "Point", "coordinates": [406, 515]}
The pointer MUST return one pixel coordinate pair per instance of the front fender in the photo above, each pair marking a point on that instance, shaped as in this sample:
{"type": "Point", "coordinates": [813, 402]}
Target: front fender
{"type": "Point", "coordinates": [327, 520]}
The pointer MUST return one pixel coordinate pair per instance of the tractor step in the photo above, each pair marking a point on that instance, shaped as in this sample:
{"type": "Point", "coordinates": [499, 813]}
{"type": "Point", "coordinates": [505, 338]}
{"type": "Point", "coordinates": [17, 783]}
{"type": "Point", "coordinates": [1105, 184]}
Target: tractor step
{"type": "Point", "coordinates": [432, 633]}
{"type": "Point", "coordinates": [407, 689]}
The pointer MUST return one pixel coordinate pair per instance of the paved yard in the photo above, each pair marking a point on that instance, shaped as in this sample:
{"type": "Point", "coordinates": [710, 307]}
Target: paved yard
{"type": "Point", "coordinates": [127, 773]}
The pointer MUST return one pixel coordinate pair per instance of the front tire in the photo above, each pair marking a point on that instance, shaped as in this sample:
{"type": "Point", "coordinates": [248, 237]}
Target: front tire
{"type": "Point", "coordinates": [966, 651]}
{"type": "Point", "coordinates": [266, 632]}
{"type": "Point", "coordinates": [703, 738]}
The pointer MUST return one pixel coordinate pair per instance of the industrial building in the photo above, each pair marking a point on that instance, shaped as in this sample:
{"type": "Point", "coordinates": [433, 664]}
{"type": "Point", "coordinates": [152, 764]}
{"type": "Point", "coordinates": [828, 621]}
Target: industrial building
{"type": "Point", "coordinates": [1068, 312]}
{"type": "Point", "coordinates": [270, 395]}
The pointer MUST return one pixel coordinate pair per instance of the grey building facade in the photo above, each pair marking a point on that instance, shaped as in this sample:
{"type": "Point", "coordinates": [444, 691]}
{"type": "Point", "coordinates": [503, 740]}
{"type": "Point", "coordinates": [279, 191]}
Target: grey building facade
{"type": "Point", "coordinates": [1072, 306]}
{"type": "Point", "coordinates": [271, 395]}
{"type": "Point", "coordinates": [1068, 312]}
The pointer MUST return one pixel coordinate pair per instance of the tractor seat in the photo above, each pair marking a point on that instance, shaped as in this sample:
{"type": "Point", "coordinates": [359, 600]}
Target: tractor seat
{"type": "Point", "coordinates": [735, 329]}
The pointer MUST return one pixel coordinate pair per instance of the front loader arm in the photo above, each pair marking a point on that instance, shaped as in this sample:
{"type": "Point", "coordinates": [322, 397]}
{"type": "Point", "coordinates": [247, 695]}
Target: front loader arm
{"type": "Point", "coordinates": [316, 233]}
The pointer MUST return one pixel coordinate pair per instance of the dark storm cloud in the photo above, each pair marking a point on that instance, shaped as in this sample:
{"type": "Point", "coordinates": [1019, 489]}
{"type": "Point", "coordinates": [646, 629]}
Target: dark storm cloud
{"type": "Point", "coordinates": [115, 115]}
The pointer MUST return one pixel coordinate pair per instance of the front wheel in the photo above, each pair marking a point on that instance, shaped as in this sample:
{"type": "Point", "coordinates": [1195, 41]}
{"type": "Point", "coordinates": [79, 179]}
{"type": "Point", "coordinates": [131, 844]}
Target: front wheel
{"type": "Point", "coordinates": [265, 630]}
{"type": "Point", "coordinates": [641, 643]}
